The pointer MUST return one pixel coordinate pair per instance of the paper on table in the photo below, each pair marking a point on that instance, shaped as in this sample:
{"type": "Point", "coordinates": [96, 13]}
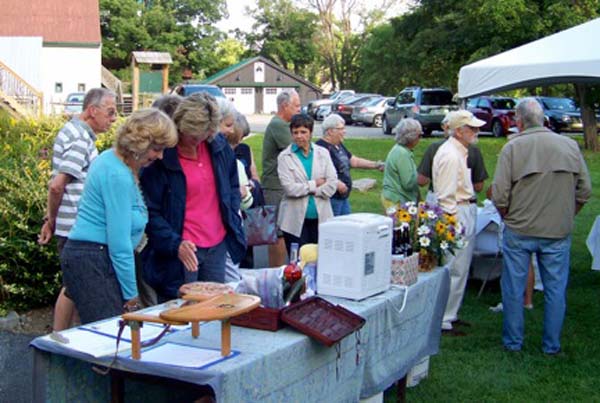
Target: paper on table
{"type": "Point", "coordinates": [110, 328]}
{"type": "Point", "coordinates": [183, 356]}
{"type": "Point", "coordinates": [94, 344]}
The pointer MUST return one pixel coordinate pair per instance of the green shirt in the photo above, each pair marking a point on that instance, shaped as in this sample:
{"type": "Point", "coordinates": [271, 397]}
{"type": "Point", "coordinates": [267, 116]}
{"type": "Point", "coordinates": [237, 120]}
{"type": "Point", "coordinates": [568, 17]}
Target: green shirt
{"type": "Point", "coordinates": [400, 176]}
{"type": "Point", "coordinates": [307, 162]}
{"type": "Point", "coordinates": [277, 137]}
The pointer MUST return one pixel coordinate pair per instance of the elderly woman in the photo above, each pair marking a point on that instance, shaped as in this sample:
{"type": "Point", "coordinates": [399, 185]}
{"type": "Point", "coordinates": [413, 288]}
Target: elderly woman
{"type": "Point", "coordinates": [334, 130]}
{"type": "Point", "coordinates": [400, 177]}
{"type": "Point", "coordinates": [308, 178]}
{"type": "Point", "coordinates": [98, 258]}
{"type": "Point", "coordinates": [193, 200]}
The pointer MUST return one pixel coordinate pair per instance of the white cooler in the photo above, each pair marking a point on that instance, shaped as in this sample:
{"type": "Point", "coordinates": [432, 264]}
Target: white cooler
{"type": "Point", "coordinates": [355, 253]}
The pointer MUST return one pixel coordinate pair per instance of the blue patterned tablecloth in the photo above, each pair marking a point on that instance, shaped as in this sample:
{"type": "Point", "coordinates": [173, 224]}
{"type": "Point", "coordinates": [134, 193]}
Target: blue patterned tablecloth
{"type": "Point", "coordinates": [276, 366]}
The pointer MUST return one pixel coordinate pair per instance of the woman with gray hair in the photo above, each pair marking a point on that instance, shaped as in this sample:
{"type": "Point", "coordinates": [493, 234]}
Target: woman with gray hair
{"type": "Point", "coordinates": [193, 200]}
{"type": "Point", "coordinates": [334, 131]}
{"type": "Point", "coordinates": [400, 177]}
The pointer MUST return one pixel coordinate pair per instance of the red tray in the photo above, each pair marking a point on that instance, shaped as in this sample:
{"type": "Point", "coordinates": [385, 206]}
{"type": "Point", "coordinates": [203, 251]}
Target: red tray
{"type": "Point", "coordinates": [260, 318]}
{"type": "Point", "coordinates": [322, 320]}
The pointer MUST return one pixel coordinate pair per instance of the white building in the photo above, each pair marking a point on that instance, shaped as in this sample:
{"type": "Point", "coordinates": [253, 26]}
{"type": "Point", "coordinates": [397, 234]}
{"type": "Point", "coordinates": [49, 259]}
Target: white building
{"type": "Point", "coordinates": [53, 45]}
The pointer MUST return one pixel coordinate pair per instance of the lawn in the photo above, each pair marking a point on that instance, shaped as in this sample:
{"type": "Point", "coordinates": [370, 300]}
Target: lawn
{"type": "Point", "coordinates": [475, 368]}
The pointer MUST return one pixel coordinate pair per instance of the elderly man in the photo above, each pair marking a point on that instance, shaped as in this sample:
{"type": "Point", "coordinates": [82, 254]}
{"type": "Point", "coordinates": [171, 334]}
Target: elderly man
{"type": "Point", "coordinates": [400, 177]}
{"type": "Point", "coordinates": [541, 183]}
{"type": "Point", "coordinates": [277, 138]}
{"type": "Point", "coordinates": [454, 190]}
{"type": "Point", "coordinates": [474, 161]}
{"type": "Point", "coordinates": [73, 151]}
{"type": "Point", "coordinates": [334, 130]}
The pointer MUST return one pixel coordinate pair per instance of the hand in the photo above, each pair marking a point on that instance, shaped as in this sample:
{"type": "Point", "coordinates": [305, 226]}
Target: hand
{"type": "Point", "coordinates": [187, 255]}
{"type": "Point", "coordinates": [380, 165]}
{"type": "Point", "coordinates": [46, 233]}
{"type": "Point", "coordinates": [243, 191]}
{"type": "Point", "coordinates": [342, 188]}
{"type": "Point", "coordinates": [320, 181]}
{"type": "Point", "coordinates": [132, 305]}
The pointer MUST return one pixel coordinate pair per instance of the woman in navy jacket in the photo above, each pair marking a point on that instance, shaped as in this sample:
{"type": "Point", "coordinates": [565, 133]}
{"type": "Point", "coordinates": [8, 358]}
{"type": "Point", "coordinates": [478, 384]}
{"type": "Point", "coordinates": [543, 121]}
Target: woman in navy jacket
{"type": "Point", "coordinates": [193, 201]}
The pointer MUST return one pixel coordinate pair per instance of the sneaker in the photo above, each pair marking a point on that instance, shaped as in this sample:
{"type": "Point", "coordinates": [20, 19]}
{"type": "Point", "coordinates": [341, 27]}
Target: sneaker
{"type": "Point", "coordinates": [497, 308]}
{"type": "Point", "coordinates": [528, 306]}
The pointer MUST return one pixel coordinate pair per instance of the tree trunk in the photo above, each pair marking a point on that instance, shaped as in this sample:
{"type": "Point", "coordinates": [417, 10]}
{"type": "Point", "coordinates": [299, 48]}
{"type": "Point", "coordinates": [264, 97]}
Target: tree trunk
{"type": "Point", "coordinates": [588, 117]}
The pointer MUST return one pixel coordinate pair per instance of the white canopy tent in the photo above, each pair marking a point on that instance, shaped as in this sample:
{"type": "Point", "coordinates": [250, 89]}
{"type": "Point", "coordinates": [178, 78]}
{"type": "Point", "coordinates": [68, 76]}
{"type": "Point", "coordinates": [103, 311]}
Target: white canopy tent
{"type": "Point", "coordinates": [569, 56]}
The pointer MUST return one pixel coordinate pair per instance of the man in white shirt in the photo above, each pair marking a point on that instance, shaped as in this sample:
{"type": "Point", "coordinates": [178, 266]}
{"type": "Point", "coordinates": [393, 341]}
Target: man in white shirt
{"type": "Point", "coordinates": [455, 194]}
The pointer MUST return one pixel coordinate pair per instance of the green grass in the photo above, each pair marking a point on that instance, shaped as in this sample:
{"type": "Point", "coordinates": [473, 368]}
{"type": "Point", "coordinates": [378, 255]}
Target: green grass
{"type": "Point", "coordinates": [475, 368]}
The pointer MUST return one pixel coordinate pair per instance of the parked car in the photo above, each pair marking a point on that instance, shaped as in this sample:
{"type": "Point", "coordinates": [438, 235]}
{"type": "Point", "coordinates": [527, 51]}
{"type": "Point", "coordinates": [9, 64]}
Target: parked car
{"type": "Point", "coordinates": [322, 112]}
{"type": "Point", "coordinates": [561, 114]}
{"type": "Point", "coordinates": [345, 107]}
{"type": "Point", "coordinates": [189, 88]}
{"type": "Point", "coordinates": [313, 106]}
{"type": "Point", "coordinates": [497, 112]}
{"type": "Point", "coordinates": [427, 105]}
{"type": "Point", "coordinates": [74, 103]}
{"type": "Point", "coordinates": [371, 112]}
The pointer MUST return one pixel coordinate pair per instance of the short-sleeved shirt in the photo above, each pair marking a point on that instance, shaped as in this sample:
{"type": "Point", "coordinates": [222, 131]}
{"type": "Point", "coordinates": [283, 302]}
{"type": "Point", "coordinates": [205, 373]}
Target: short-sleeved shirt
{"type": "Point", "coordinates": [73, 152]}
{"type": "Point", "coordinates": [277, 138]}
{"type": "Point", "coordinates": [340, 156]}
{"type": "Point", "coordinates": [307, 162]}
{"type": "Point", "coordinates": [474, 163]}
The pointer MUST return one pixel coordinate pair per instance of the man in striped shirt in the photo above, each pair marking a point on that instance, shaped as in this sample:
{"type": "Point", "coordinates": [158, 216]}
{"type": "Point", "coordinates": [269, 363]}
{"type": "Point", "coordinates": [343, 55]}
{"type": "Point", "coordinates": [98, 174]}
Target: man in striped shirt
{"type": "Point", "coordinates": [73, 151]}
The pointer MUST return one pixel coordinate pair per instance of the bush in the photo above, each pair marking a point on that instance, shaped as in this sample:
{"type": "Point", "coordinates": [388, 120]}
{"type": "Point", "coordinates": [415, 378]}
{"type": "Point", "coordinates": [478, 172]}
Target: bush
{"type": "Point", "coordinates": [29, 273]}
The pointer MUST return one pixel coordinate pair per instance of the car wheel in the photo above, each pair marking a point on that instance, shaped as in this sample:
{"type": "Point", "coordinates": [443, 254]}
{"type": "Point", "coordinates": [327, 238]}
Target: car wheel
{"type": "Point", "coordinates": [385, 127]}
{"type": "Point", "coordinates": [377, 121]}
{"type": "Point", "coordinates": [497, 129]}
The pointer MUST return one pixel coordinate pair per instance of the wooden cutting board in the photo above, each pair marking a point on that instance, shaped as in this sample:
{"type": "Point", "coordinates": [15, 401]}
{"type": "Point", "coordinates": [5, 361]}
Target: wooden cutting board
{"type": "Point", "coordinates": [218, 308]}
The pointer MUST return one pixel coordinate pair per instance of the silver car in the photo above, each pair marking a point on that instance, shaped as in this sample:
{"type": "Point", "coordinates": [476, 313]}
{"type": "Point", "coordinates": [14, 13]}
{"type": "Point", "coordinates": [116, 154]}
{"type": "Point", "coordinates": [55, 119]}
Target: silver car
{"type": "Point", "coordinates": [370, 113]}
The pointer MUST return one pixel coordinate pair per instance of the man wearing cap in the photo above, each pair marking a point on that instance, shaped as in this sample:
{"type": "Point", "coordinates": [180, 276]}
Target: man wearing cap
{"type": "Point", "coordinates": [474, 161]}
{"type": "Point", "coordinates": [541, 182]}
{"type": "Point", "coordinates": [454, 190]}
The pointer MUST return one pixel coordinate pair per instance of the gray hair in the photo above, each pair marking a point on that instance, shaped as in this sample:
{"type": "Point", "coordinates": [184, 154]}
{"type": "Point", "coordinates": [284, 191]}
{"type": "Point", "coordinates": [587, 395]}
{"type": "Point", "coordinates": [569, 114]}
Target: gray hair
{"type": "Point", "coordinates": [407, 131]}
{"type": "Point", "coordinates": [226, 108]}
{"type": "Point", "coordinates": [331, 122]}
{"type": "Point", "coordinates": [285, 97]}
{"type": "Point", "coordinates": [95, 96]}
{"type": "Point", "coordinates": [530, 112]}
{"type": "Point", "coordinates": [167, 103]}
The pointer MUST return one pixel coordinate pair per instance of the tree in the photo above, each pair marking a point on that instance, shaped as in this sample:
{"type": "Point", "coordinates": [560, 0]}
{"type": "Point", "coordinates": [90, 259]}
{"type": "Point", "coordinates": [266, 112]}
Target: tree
{"type": "Point", "coordinates": [283, 33]}
{"type": "Point", "coordinates": [184, 28]}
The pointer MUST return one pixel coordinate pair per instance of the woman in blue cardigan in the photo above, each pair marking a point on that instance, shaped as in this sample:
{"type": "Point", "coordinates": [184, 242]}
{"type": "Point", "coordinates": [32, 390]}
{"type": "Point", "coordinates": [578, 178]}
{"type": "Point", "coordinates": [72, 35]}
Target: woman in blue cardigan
{"type": "Point", "coordinates": [97, 260]}
{"type": "Point", "coordinates": [193, 200]}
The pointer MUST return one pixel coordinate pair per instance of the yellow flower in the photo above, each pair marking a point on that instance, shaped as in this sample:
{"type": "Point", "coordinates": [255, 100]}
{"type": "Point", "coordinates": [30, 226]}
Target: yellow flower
{"type": "Point", "coordinates": [403, 216]}
{"type": "Point", "coordinates": [440, 227]}
{"type": "Point", "coordinates": [450, 219]}
{"type": "Point", "coordinates": [450, 236]}
{"type": "Point", "coordinates": [422, 214]}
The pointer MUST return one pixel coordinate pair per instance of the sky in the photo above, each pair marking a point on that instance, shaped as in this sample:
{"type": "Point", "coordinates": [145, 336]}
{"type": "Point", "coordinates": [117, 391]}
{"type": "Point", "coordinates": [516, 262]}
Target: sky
{"type": "Point", "coordinates": [237, 16]}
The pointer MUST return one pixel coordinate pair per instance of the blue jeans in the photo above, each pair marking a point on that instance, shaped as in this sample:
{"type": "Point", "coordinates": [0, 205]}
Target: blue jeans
{"type": "Point", "coordinates": [211, 264]}
{"type": "Point", "coordinates": [553, 260]}
{"type": "Point", "coordinates": [340, 206]}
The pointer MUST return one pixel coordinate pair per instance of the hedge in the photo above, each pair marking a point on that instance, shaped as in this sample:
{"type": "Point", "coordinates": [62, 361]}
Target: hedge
{"type": "Point", "coordinates": [29, 273]}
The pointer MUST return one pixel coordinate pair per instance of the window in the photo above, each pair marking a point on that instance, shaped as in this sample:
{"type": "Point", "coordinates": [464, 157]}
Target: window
{"type": "Point", "coordinates": [406, 98]}
{"type": "Point", "coordinates": [270, 91]}
{"type": "Point", "coordinates": [247, 91]}
{"type": "Point", "coordinates": [81, 87]}
{"type": "Point", "coordinates": [229, 91]}
{"type": "Point", "coordinates": [472, 103]}
{"type": "Point", "coordinates": [58, 88]}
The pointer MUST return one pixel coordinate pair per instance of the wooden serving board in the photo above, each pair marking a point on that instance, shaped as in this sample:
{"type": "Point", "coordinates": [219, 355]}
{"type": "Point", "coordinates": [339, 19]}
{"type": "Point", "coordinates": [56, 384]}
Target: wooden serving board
{"type": "Point", "coordinates": [218, 308]}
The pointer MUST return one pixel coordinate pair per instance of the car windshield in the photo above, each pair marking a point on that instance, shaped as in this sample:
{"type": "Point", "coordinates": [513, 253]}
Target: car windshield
{"type": "Point", "coordinates": [375, 101]}
{"type": "Point", "coordinates": [504, 103]}
{"type": "Point", "coordinates": [562, 104]}
{"type": "Point", "coordinates": [436, 98]}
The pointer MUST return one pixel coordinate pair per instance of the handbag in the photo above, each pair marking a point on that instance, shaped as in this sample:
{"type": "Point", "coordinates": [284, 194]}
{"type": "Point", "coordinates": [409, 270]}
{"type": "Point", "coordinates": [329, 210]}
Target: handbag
{"type": "Point", "coordinates": [260, 225]}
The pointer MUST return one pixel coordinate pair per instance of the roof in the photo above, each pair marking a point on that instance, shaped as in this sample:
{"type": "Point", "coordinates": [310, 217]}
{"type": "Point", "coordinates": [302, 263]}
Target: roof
{"type": "Point", "coordinates": [564, 57]}
{"type": "Point", "coordinates": [215, 77]}
{"type": "Point", "coordinates": [153, 57]}
{"type": "Point", "coordinates": [56, 21]}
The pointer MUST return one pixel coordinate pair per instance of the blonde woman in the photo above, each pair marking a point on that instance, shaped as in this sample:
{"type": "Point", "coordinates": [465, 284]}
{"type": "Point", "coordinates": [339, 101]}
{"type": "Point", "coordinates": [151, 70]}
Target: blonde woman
{"type": "Point", "coordinates": [193, 200]}
{"type": "Point", "coordinates": [98, 259]}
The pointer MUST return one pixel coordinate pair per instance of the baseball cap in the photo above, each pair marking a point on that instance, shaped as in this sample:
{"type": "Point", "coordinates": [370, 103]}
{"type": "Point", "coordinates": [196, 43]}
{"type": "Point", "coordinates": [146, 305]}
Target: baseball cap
{"type": "Point", "coordinates": [463, 118]}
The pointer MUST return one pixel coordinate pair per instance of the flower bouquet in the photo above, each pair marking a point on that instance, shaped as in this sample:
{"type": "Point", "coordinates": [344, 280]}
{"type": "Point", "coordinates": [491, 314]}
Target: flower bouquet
{"type": "Point", "coordinates": [433, 233]}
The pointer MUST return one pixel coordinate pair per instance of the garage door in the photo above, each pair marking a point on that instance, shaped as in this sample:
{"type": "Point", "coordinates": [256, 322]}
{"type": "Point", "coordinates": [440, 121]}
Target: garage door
{"type": "Point", "coordinates": [242, 98]}
{"type": "Point", "coordinates": [270, 100]}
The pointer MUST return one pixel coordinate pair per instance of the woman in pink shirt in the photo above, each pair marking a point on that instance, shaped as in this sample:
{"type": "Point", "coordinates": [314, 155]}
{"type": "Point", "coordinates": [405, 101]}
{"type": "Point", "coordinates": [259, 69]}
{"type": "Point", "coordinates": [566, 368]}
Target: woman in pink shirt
{"type": "Point", "coordinates": [193, 200]}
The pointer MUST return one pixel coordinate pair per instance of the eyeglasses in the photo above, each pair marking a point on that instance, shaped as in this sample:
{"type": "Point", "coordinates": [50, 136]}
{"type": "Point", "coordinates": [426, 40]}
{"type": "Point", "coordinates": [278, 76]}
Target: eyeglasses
{"type": "Point", "coordinates": [340, 128]}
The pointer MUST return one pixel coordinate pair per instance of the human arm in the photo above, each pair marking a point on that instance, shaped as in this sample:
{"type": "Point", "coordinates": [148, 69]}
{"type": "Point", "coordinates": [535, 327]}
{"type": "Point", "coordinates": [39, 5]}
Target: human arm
{"type": "Point", "coordinates": [246, 195]}
{"type": "Point", "coordinates": [55, 194]}
{"type": "Point", "coordinates": [327, 183]}
{"type": "Point", "coordinates": [292, 176]}
{"type": "Point", "coordinates": [357, 162]}
{"type": "Point", "coordinates": [583, 186]}
{"type": "Point", "coordinates": [253, 170]}
{"type": "Point", "coordinates": [501, 186]}
{"type": "Point", "coordinates": [478, 172]}
{"type": "Point", "coordinates": [425, 167]}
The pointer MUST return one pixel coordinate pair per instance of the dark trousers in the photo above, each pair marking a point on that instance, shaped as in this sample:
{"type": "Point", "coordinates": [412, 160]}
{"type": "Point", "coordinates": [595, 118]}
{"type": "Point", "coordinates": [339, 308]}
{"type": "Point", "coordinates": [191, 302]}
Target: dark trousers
{"type": "Point", "coordinates": [310, 234]}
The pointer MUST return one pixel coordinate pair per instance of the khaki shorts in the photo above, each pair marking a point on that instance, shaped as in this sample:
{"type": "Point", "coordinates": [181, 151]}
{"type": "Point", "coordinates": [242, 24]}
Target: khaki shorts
{"type": "Point", "coordinates": [273, 198]}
